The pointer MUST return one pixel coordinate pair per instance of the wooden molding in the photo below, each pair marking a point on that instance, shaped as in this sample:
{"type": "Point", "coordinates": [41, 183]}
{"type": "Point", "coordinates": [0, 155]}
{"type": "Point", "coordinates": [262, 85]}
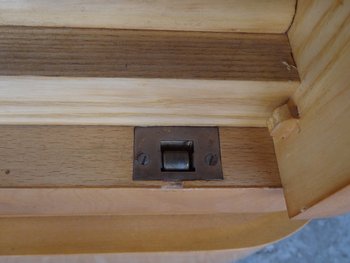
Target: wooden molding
{"type": "Point", "coordinates": [96, 101]}
{"type": "Point", "coordinates": [259, 16]}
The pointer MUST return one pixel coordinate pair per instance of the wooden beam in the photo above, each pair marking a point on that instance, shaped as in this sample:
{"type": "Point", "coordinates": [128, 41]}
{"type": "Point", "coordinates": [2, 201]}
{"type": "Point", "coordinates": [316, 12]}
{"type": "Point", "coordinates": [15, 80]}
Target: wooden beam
{"type": "Point", "coordinates": [132, 77]}
{"type": "Point", "coordinates": [108, 234]}
{"type": "Point", "coordinates": [260, 16]}
{"type": "Point", "coordinates": [138, 201]}
{"type": "Point", "coordinates": [93, 156]}
{"type": "Point", "coordinates": [314, 163]}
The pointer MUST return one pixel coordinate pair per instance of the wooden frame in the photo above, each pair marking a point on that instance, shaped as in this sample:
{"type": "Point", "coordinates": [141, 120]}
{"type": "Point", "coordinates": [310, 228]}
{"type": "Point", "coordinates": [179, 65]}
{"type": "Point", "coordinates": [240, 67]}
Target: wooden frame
{"type": "Point", "coordinates": [171, 75]}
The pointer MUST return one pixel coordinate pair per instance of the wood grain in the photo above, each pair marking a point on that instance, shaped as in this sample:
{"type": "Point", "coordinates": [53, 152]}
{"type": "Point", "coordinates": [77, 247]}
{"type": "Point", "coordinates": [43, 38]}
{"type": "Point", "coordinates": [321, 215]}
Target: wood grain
{"type": "Point", "coordinates": [138, 201]}
{"type": "Point", "coordinates": [314, 164]}
{"type": "Point", "coordinates": [260, 16]}
{"type": "Point", "coordinates": [107, 234]}
{"type": "Point", "coordinates": [120, 101]}
{"type": "Point", "coordinates": [101, 156]}
{"type": "Point", "coordinates": [77, 52]}
{"type": "Point", "coordinates": [132, 77]}
{"type": "Point", "coordinates": [283, 121]}
{"type": "Point", "coordinates": [318, 47]}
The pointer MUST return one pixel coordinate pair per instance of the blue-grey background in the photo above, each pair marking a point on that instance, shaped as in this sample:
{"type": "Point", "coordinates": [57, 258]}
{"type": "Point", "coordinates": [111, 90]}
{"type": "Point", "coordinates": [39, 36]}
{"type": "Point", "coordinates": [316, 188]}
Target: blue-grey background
{"type": "Point", "coordinates": [320, 241]}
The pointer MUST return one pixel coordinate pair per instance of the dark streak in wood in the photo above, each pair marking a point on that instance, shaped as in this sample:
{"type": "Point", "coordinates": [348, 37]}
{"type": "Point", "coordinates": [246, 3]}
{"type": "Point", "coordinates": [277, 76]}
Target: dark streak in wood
{"type": "Point", "coordinates": [75, 52]}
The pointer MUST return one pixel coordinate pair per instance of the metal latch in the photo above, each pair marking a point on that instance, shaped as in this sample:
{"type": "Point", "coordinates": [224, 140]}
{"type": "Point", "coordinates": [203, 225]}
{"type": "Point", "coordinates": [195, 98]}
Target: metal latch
{"type": "Point", "coordinates": [177, 153]}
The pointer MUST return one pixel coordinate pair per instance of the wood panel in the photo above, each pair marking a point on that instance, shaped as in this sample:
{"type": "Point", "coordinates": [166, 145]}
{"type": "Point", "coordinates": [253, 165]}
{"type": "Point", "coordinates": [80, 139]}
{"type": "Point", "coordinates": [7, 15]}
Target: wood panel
{"type": "Point", "coordinates": [107, 234]}
{"type": "Point", "coordinates": [138, 201]}
{"type": "Point", "coordinates": [131, 77]}
{"type": "Point", "coordinates": [314, 163]}
{"type": "Point", "coordinates": [126, 201]}
{"type": "Point", "coordinates": [261, 16]}
{"type": "Point", "coordinates": [77, 52]}
{"type": "Point", "coordinates": [102, 156]}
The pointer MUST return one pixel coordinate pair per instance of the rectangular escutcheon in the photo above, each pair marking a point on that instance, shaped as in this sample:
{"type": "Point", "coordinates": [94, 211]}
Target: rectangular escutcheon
{"type": "Point", "coordinates": [177, 153]}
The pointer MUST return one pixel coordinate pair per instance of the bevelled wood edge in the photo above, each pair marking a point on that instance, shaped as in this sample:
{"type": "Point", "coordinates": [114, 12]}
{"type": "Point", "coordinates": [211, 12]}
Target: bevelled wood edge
{"type": "Point", "coordinates": [108, 234]}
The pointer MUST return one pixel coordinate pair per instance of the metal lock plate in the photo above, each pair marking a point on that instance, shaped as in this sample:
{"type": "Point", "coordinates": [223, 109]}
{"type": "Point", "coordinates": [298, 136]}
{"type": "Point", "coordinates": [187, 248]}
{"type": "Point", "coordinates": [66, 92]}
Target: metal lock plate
{"type": "Point", "coordinates": [177, 153]}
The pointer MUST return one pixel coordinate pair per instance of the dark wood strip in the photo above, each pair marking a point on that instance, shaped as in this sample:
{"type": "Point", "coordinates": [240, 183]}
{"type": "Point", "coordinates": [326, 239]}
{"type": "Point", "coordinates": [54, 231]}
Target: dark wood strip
{"type": "Point", "coordinates": [75, 52]}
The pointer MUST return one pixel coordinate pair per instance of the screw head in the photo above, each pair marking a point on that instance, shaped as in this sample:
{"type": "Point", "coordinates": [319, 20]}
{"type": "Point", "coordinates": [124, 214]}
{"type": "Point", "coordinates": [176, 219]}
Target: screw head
{"type": "Point", "coordinates": [211, 159]}
{"type": "Point", "coordinates": [143, 159]}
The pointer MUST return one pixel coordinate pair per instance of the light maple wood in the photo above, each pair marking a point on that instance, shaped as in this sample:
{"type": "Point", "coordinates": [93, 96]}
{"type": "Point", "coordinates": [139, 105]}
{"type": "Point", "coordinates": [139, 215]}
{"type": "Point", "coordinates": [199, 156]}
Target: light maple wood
{"type": "Point", "coordinates": [107, 234]}
{"type": "Point", "coordinates": [57, 101]}
{"type": "Point", "coordinates": [138, 201]}
{"type": "Point", "coordinates": [102, 156]}
{"type": "Point", "coordinates": [334, 205]}
{"type": "Point", "coordinates": [132, 77]}
{"type": "Point", "coordinates": [314, 164]}
{"type": "Point", "coordinates": [261, 16]}
{"type": "Point", "coordinates": [283, 122]}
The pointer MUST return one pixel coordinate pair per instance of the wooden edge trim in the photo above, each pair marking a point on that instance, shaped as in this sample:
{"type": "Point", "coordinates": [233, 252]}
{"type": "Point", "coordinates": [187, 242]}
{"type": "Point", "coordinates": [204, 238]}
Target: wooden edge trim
{"type": "Point", "coordinates": [112, 234]}
{"type": "Point", "coordinates": [258, 16]}
{"type": "Point", "coordinates": [138, 201]}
